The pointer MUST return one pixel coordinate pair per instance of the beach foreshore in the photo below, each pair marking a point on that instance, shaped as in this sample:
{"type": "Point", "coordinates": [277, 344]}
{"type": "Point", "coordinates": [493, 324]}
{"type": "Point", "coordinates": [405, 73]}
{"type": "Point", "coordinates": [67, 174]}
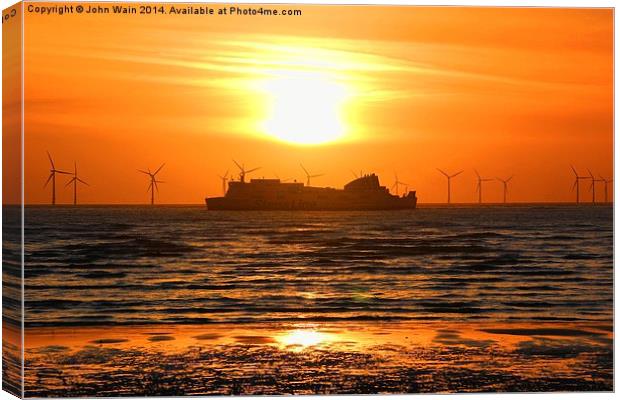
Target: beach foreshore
{"type": "Point", "coordinates": [309, 358]}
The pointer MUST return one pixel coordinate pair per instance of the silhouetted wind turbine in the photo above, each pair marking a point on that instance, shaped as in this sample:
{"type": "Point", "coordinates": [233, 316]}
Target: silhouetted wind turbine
{"type": "Point", "coordinates": [224, 179]}
{"type": "Point", "coordinates": [605, 181]}
{"type": "Point", "coordinates": [397, 183]}
{"type": "Point", "coordinates": [479, 186]}
{"type": "Point", "coordinates": [308, 176]}
{"type": "Point", "coordinates": [593, 186]}
{"type": "Point", "coordinates": [75, 181]}
{"type": "Point", "coordinates": [449, 178]}
{"type": "Point", "coordinates": [576, 184]}
{"type": "Point", "coordinates": [505, 183]}
{"type": "Point", "coordinates": [153, 184]}
{"type": "Point", "coordinates": [243, 172]}
{"type": "Point", "coordinates": [52, 177]}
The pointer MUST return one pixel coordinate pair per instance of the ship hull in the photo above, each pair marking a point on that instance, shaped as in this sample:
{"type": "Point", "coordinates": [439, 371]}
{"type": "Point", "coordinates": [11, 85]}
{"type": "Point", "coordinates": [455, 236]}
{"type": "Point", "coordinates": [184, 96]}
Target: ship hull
{"type": "Point", "coordinates": [223, 203]}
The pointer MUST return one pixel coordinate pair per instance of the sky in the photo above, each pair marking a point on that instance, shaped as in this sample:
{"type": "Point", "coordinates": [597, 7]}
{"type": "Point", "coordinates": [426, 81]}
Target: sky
{"type": "Point", "coordinates": [391, 90]}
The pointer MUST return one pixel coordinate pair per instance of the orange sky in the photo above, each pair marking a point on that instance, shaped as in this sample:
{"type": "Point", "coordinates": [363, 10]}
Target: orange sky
{"type": "Point", "coordinates": [503, 90]}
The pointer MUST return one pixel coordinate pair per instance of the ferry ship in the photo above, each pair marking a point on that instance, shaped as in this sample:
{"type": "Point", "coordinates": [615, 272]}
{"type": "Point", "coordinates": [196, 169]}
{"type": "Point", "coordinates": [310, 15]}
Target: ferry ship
{"type": "Point", "coordinates": [363, 193]}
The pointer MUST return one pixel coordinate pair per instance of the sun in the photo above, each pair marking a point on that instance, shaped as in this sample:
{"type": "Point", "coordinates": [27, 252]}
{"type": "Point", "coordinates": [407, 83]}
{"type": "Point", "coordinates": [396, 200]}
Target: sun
{"type": "Point", "coordinates": [305, 108]}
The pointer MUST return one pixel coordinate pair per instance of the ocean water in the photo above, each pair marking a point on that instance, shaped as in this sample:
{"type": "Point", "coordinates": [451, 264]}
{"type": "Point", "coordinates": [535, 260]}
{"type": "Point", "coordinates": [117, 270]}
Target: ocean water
{"type": "Point", "coordinates": [106, 266]}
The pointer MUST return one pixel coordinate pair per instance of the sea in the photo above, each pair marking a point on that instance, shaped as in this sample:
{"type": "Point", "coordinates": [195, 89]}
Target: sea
{"type": "Point", "coordinates": [139, 265]}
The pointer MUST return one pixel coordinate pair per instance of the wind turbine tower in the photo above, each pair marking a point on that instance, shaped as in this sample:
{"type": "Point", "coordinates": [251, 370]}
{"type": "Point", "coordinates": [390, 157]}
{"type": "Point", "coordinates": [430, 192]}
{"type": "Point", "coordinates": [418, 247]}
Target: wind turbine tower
{"type": "Point", "coordinates": [52, 177]}
{"type": "Point", "coordinates": [75, 180]}
{"type": "Point", "coordinates": [606, 182]}
{"type": "Point", "coordinates": [449, 177]}
{"type": "Point", "coordinates": [397, 184]}
{"type": "Point", "coordinates": [479, 186]}
{"type": "Point", "coordinates": [505, 183]}
{"type": "Point", "coordinates": [308, 176]}
{"type": "Point", "coordinates": [577, 178]}
{"type": "Point", "coordinates": [224, 179]}
{"type": "Point", "coordinates": [153, 183]}
{"type": "Point", "coordinates": [243, 172]}
{"type": "Point", "coordinates": [593, 186]}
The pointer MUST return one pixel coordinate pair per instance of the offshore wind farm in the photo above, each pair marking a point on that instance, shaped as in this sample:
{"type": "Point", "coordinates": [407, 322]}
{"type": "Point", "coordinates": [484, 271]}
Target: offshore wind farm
{"type": "Point", "coordinates": [226, 179]}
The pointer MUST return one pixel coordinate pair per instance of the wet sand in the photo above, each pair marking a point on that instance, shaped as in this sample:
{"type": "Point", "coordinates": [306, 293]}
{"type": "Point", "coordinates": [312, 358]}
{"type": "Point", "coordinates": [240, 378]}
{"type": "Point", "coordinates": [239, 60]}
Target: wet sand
{"type": "Point", "coordinates": [318, 358]}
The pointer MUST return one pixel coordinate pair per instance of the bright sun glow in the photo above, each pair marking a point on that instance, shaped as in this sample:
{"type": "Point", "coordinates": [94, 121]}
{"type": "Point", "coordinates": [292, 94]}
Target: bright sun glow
{"type": "Point", "coordinates": [305, 108]}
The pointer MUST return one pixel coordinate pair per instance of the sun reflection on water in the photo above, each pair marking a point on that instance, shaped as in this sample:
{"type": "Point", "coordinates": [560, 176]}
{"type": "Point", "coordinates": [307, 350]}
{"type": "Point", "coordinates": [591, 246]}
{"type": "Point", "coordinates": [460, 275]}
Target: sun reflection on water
{"type": "Point", "coordinates": [300, 339]}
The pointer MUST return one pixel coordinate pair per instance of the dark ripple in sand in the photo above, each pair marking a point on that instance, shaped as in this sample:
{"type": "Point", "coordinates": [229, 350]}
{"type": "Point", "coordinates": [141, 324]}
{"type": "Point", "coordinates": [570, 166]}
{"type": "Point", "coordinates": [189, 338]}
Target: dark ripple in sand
{"type": "Point", "coordinates": [208, 336]}
{"type": "Point", "coordinates": [109, 341]}
{"type": "Point", "coordinates": [160, 338]}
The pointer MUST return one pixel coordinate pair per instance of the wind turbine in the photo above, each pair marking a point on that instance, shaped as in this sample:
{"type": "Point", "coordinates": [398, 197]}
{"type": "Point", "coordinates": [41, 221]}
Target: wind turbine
{"type": "Point", "coordinates": [224, 179]}
{"type": "Point", "coordinates": [505, 183]}
{"type": "Point", "coordinates": [479, 186]}
{"type": "Point", "coordinates": [52, 177]}
{"type": "Point", "coordinates": [75, 180]}
{"type": "Point", "coordinates": [576, 184]}
{"type": "Point", "coordinates": [397, 183]}
{"type": "Point", "coordinates": [593, 186]}
{"type": "Point", "coordinates": [605, 181]}
{"type": "Point", "coordinates": [449, 178]}
{"type": "Point", "coordinates": [308, 176]}
{"type": "Point", "coordinates": [243, 172]}
{"type": "Point", "coordinates": [153, 184]}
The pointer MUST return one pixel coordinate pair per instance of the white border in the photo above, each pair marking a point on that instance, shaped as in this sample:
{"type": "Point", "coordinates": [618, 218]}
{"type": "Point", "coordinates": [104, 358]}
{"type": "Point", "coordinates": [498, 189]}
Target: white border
{"type": "Point", "coordinates": [523, 3]}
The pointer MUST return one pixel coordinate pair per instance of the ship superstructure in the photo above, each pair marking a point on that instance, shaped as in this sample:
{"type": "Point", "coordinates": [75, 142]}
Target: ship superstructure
{"type": "Point", "coordinates": [363, 193]}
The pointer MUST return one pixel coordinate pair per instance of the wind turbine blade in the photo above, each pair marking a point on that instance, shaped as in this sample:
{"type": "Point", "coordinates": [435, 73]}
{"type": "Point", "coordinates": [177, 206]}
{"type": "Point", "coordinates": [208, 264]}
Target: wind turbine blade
{"type": "Point", "coordinates": [144, 172]}
{"type": "Point", "coordinates": [226, 174]}
{"type": "Point", "coordinates": [150, 185]}
{"type": "Point", "coordinates": [252, 170]}
{"type": "Point", "coordinates": [590, 172]}
{"type": "Point", "coordinates": [509, 179]}
{"type": "Point", "coordinates": [477, 174]}
{"type": "Point", "coordinates": [316, 176]}
{"type": "Point", "coordinates": [574, 170]}
{"type": "Point", "coordinates": [75, 168]}
{"type": "Point", "coordinates": [159, 169]}
{"type": "Point", "coordinates": [70, 182]}
{"type": "Point", "coordinates": [458, 173]}
{"type": "Point", "coordinates": [305, 170]}
{"type": "Point", "coordinates": [51, 161]}
{"type": "Point", "coordinates": [500, 179]}
{"type": "Point", "coordinates": [238, 166]}
{"type": "Point", "coordinates": [447, 176]}
{"type": "Point", "coordinates": [63, 172]}
{"type": "Point", "coordinates": [574, 184]}
{"type": "Point", "coordinates": [49, 178]}
{"type": "Point", "coordinates": [84, 182]}
{"type": "Point", "coordinates": [354, 174]}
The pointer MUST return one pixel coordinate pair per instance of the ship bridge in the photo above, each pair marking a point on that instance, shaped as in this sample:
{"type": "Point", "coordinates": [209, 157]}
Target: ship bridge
{"type": "Point", "coordinates": [366, 182]}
